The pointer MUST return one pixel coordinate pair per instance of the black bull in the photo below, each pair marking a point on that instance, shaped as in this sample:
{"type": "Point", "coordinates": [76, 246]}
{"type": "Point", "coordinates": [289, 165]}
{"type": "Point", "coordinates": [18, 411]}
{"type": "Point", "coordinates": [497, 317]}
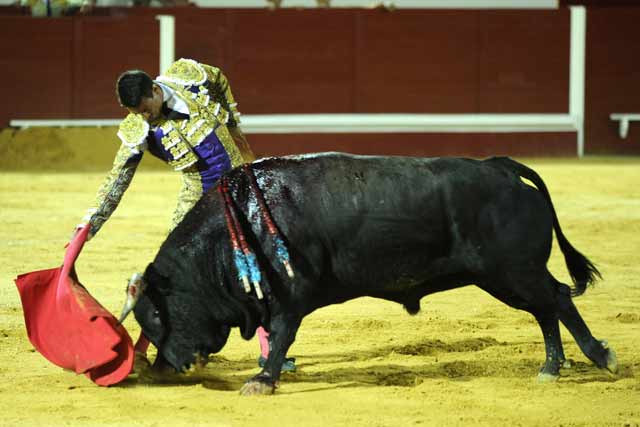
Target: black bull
{"type": "Point", "coordinates": [388, 227]}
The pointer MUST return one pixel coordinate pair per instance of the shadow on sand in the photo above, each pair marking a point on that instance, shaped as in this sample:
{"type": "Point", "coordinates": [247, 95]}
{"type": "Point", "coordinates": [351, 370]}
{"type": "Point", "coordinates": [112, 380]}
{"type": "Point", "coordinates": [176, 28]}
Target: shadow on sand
{"type": "Point", "coordinates": [326, 368]}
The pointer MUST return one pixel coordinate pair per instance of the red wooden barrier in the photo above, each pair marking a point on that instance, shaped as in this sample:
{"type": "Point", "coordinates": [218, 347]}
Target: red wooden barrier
{"type": "Point", "coordinates": [104, 47]}
{"type": "Point", "coordinates": [612, 78]}
{"type": "Point", "coordinates": [339, 61]}
{"type": "Point", "coordinates": [36, 68]}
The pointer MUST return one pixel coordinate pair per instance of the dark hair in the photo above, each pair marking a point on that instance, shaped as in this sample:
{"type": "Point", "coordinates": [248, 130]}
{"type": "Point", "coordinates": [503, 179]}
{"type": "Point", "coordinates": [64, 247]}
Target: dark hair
{"type": "Point", "coordinates": [132, 86]}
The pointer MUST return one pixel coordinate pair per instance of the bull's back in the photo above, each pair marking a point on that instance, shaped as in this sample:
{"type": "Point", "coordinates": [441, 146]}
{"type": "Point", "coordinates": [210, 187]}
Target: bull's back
{"type": "Point", "coordinates": [339, 192]}
{"type": "Point", "coordinates": [374, 220]}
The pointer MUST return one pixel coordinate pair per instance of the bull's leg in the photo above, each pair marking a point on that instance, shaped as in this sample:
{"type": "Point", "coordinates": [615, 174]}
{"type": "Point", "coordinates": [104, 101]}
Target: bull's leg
{"type": "Point", "coordinates": [533, 292]}
{"type": "Point", "coordinates": [160, 371]}
{"type": "Point", "coordinates": [550, 371]}
{"type": "Point", "coordinates": [597, 351]}
{"type": "Point", "coordinates": [283, 334]}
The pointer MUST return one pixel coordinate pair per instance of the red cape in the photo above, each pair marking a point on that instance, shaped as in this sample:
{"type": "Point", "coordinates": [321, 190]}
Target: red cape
{"type": "Point", "coordinates": [69, 327]}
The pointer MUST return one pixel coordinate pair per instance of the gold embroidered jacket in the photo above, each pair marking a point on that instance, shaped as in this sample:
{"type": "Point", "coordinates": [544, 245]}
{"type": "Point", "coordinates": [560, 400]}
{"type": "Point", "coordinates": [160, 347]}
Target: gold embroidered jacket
{"type": "Point", "coordinates": [201, 145]}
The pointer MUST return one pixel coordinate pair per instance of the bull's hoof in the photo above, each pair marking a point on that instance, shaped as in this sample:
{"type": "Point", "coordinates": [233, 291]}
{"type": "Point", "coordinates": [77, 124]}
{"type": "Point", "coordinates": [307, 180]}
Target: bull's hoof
{"type": "Point", "coordinates": [198, 366]}
{"type": "Point", "coordinates": [550, 371]}
{"type": "Point", "coordinates": [140, 363]}
{"type": "Point", "coordinates": [567, 364]}
{"type": "Point", "coordinates": [612, 359]}
{"type": "Point", "coordinates": [160, 372]}
{"type": "Point", "coordinates": [255, 387]}
{"type": "Point", "coordinates": [545, 377]}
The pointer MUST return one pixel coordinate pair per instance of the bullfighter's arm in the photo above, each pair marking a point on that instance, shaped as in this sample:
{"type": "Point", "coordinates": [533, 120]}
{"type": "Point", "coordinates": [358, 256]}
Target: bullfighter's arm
{"type": "Point", "coordinates": [134, 133]}
{"type": "Point", "coordinates": [112, 189]}
{"type": "Point", "coordinates": [243, 145]}
{"type": "Point", "coordinates": [220, 91]}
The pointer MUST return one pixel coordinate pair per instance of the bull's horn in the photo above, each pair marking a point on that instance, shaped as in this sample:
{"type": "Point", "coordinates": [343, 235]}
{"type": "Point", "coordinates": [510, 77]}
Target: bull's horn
{"type": "Point", "coordinates": [135, 289]}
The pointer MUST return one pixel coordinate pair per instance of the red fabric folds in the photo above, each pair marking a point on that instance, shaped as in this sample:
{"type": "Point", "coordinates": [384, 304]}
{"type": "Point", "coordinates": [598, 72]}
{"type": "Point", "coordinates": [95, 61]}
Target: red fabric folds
{"type": "Point", "coordinates": [69, 327]}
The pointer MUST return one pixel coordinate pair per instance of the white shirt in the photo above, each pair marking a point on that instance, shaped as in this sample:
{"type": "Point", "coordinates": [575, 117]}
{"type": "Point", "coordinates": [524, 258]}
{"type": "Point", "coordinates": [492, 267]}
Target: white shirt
{"type": "Point", "coordinates": [172, 99]}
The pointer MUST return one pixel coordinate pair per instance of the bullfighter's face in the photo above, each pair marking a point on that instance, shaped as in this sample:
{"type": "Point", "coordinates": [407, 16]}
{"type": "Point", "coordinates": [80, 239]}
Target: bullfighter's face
{"type": "Point", "coordinates": [179, 326]}
{"type": "Point", "coordinates": [150, 106]}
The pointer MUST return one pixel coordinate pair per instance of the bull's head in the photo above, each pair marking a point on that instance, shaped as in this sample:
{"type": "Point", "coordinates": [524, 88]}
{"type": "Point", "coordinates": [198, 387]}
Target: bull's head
{"type": "Point", "coordinates": [135, 288]}
{"type": "Point", "coordinates": [175, 318]}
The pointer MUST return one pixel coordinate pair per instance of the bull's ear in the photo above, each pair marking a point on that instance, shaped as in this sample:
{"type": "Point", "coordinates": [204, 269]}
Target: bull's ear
{"type": "Point", "coordinates": [156, 280]}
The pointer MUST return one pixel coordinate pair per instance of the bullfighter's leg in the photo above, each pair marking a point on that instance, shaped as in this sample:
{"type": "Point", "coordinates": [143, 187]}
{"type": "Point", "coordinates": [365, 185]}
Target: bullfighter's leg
{"type": "Point", "coordinates": [597, 351]}
{"type": "Point", "coordinates": [289, 364]}
{"type": "Point", "coordinates": [283, 334]}
{"type": "Point", "coordinates": [263, 338]}
{"type": "Point", "coordinates": [140, 360]}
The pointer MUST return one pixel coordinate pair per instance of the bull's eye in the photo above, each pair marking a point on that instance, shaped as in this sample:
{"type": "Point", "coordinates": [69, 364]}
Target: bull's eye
{"type": "Point", "coordinates": [155, 318]}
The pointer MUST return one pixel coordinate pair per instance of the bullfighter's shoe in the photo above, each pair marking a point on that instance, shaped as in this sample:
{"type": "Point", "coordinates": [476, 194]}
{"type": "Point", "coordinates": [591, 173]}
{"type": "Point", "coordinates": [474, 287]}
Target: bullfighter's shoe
{"type": "Point", "coordinates": [140, 363]}
{"type": "Point", "coordinates": [289, 364]}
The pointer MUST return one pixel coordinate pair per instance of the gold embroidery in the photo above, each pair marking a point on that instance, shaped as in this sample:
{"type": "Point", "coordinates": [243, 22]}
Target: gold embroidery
{"type": "Point", "coordinates": [133, 131]}
{"type": "Point", "coordinates": [184, 162]}
{"type": "Point", "coordinates": [185, 72]}
{"type": "Point", "coordinates": [205, 114]}
{"type": "Point", "coordinates": [113, 187]}
{"type": "Point", "coordinates": [202, 97]}
{"type": "Point", "coordinates": [181, 153]}
{"type": "Point", "coordinates": [190, 193]}
{"type": "Point", "coordinates": [222, 93]}
{"type": "Point", "coordinates": [230, 146]}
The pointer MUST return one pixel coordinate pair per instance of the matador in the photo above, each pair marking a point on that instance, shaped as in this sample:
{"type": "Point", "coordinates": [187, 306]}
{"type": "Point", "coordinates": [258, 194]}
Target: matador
{"type": "Point", "coordinates": [188, 118]}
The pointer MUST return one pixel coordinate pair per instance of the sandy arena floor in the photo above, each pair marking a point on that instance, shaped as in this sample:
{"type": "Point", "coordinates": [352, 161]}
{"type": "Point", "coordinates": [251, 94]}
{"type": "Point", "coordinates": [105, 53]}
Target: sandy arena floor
{"type": "Point", "coordinates": [466, 359]}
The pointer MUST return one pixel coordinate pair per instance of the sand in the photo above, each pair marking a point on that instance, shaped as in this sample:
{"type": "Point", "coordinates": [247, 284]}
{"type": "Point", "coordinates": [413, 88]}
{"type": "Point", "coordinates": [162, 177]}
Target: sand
{"type": "Point", "coordinates": [465, 359]}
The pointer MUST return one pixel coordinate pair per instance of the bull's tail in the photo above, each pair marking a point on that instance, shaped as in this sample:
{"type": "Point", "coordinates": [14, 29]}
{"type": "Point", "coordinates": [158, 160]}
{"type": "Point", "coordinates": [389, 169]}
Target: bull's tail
{"type": "Point", "coordinates": [583, 272]}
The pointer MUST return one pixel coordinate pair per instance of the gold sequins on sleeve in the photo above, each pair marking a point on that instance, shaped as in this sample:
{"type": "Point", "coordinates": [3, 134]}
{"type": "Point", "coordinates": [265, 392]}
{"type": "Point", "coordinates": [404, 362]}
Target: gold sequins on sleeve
{"type": "Point", "coordinates": [112, 188]}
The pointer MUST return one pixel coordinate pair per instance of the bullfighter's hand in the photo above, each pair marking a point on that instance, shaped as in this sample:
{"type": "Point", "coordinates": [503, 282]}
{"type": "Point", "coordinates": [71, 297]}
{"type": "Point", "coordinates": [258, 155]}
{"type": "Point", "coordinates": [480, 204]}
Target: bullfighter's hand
{"type": "Point", "coordinates": [77, 230]}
